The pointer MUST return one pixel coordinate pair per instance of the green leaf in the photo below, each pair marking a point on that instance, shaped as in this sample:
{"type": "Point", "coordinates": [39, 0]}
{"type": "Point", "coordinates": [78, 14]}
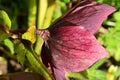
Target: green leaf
{"type": "Point", "coordinates": [111, 72]}
{"type": "Point", "coordinates": [48, 14]}
{"type": "Point", "coordinates": [114, 3]}
{"type": "Point", "coordinates": [97, 64]}
{"type": "Point", "coordinates": [3, 35]}
{"type": "Point", "coordinates": [66, 1]}
{"type": "Point", "coordinates": [117, 25]}
{"type": "Point", "coordinates": [80, 75]}
{"type": "Point", "coordinates": [5, 25]}
{"type": "Point", "coordinates": [42, 8]}
{"type": "Point", "coordinates": [36, 64]}
{"type": "Point", "coordinates": [9, 44]}
{"type": "Point", "coordinates": [30, 34]}
{"type": "Point", "coordinates": [96, 75]}
{"type": "Point", "coordinates": [117, 15]}
{"type": "Point", "coordinates": [21, 51]}
{"type": "Point", "coordinates": [117, 73]}
{"type": "Point", "coordinates": [4, 19]}
{"type": "Point", "coordinates": [117, 54]}
{"type": "Point", "coordinates": [31, 11]}
{"type": "Point", "coordinates": [60, 8]}
{"type": "Point", "coordinates": [111, 41]}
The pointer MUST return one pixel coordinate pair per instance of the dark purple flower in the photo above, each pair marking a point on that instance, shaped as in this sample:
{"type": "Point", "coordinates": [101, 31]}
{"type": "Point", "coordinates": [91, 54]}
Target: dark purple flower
{"type": "Point", "coordinates": [70, 45]}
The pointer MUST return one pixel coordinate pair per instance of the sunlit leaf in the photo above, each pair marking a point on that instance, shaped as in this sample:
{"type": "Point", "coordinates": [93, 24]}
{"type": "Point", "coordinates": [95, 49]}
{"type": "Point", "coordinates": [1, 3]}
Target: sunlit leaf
{"type": "Point", "coordinates": [111, 72]}
{"type": "Point", "coordinates": [96, 75]}
{"type": "Point", "coordinates": [42, 8]}
{"type": "Point", "coordinates": [117, 73]}
{"type": "Point", "coordinates": [111, 41]}
{"type": "Point", "coordinates": [4, 19]}
{"type": "Point", "coordinates": [80, 75]}
{"type": "Point", "coordinates": [5, 25]}
{"type": "Point", "coordinates": [49, 14]}
{"type": "Point", "coordinates": [60, 8]}
{"type": "Point", "coordinates": [110, 2]}
{"type": "Point", "coordinates": [30, 34]}
{"type": "Point", "coordinates": [97, 64]}
{"type": "Point", "coordinates": [31, 11]}
{"type": "Point", "coordinates": [117, 16]}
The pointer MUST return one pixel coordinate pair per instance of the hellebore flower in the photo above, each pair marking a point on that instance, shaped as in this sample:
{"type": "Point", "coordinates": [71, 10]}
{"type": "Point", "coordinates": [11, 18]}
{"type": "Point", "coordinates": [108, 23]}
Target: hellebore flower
{"type": "Point", "coordinates": [70, 45]}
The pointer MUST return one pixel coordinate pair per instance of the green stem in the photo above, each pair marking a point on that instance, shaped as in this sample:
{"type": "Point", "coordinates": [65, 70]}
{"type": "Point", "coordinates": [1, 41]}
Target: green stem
{"type": "Point", "coordinates": [31, 11]}
{"type": "Point", "coordinates": [38, 66]}
{"type": "Point", "coordinates": [49, 13]}
{"type": "Point", "coordinates": [41, 10]}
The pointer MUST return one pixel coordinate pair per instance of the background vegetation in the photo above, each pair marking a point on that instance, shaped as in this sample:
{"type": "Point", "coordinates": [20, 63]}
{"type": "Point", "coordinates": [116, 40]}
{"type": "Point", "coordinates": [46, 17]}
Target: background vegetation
{"type": "Point", "coordinates": [20, 49]}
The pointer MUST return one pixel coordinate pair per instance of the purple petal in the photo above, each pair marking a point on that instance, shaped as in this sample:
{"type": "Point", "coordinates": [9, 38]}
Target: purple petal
{"type": "Point", "coordinates": [87, 14]}
{"type": "Point", "coordinates": [74, 49]}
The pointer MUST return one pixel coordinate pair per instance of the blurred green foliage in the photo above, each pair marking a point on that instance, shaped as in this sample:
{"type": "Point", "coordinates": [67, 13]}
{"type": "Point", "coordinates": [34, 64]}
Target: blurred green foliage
{"type": "Point", "coordinates": [25, 14]}
{"type": "Point", "coordinates": [4, 19]}
{"type": "Point", "coordinates": [114, 3]}
{"type": "Point", "coordinates": [111, 39]}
